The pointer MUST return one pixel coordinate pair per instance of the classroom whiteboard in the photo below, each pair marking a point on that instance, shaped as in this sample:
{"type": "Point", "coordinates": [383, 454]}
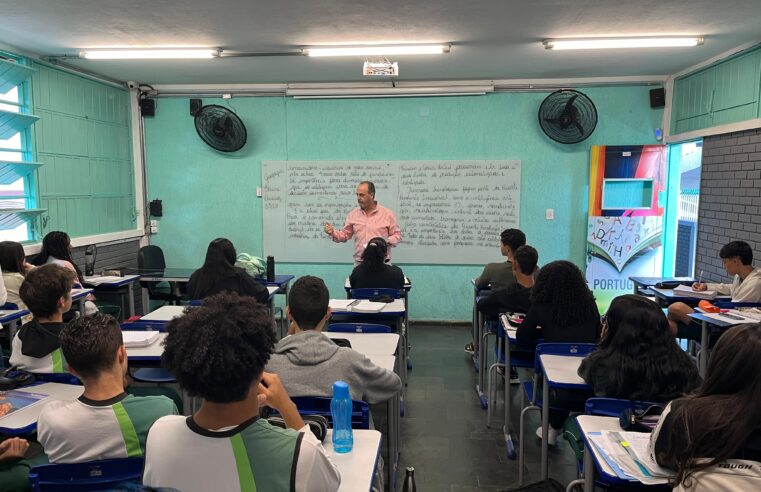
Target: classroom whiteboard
{"type": "Point", "coordinates": [449, 212]}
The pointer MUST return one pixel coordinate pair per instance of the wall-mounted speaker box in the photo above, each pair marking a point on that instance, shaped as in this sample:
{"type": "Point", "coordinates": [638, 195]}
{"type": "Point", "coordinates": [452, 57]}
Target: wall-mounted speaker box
{"type": "Point", "coordinates": [148, 107]}
{"type": "Point", "coordinates": [156, 209]}
{"type": "Point", "coordinates": [195, 106]}
{"type": "Point", "coordinates": [658, 98]}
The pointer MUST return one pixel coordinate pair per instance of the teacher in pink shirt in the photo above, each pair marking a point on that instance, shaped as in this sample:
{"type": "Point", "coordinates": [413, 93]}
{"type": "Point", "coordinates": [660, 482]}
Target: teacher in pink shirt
{"type": "Point", "coordinates": [365, 222]}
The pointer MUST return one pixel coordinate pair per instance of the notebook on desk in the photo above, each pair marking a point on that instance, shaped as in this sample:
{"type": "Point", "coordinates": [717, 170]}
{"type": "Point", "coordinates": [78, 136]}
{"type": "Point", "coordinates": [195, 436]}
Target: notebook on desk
{"type": "Point", "coordinates": [134, 339]}
{"type": "Point", "coordinates": [687, 291]}
{"type": "Point", "coordinates": [365, 306]}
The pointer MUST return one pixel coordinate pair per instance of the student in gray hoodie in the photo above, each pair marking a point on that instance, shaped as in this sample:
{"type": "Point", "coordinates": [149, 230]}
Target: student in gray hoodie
{"type": "Point", "coordinates": [308, 362]}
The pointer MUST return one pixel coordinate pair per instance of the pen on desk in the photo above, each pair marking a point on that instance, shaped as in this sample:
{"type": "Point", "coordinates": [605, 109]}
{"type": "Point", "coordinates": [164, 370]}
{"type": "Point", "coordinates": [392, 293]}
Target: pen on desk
{"type": "Point", "coordinates": [700, 278]}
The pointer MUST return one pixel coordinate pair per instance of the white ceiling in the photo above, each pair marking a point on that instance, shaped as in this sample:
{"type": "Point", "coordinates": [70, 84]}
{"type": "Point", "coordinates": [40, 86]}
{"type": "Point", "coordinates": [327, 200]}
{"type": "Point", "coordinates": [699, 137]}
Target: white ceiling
{"type": "Point", "coordinates": [493, 39]}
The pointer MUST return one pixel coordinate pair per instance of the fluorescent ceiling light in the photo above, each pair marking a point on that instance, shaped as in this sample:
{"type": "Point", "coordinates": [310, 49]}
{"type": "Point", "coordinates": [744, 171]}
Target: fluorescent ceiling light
{"type": "Point", "coordinates": [379, 50]}
{"type": "Point", "coordinates": [147, 54]}
{"type": "Point", "coordinates": [612, 43]}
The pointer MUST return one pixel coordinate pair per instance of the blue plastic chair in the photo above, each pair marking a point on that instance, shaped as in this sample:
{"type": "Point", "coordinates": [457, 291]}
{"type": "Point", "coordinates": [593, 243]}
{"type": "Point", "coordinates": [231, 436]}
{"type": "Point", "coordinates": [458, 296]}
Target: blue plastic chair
{"type": "Point", "coordinates": [358, 328]}
{"type": "Point", "coordinates": [9, 306]}
{"type": "Point", "coordinates": [567, 349]}
{"type": "Point", "coordinates": [613, 407]}
{"type": "Point", "coordinates": [57, 377]}
{"type": "Point", "coordinates": [731, 305]}
{"type": "Point", "coordinates": [92, 475]}
{"type": "Point", "coordinates": [369, 293]}
{"type": "Point", "coordinates": [318, 405]}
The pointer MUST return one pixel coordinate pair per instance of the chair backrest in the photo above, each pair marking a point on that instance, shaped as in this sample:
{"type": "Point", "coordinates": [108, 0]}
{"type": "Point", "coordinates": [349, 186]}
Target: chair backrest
{"type": "Point", "coordinates": [568, 349]}
{"type": "Point", "coordinates": [730, 305]}
{"type": "Point", "coordinates": [9, 306]}
{"type": "Point", "coordinates": [195, 302]}
{"type": "Point", "coordinates": [92, 475]}
{"type": "Point", "coordinates": [57, 377]}
{"type": "Point", "coordinates": [371, 293]}
{"type": "Point", "coordinates": [319, 405]}
{"type": "Point", "coordinates": [358, 328]}
{"type": "Point", "coordinates": [613, 407]}
{"type": "Point", "coordinates": [144, 326]}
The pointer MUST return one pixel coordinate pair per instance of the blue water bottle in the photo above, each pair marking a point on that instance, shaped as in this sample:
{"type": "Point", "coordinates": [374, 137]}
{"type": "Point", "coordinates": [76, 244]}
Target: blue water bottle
{"type": "Point", "coordinates": [340, 409]}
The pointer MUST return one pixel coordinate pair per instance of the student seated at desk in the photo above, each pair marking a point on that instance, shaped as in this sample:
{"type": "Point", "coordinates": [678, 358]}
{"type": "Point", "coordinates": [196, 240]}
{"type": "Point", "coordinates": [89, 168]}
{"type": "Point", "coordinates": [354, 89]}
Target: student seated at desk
{"type": "Point", "coordinates": [14, 267]}
{"type": "Point", "coordinates": [515, 298]}
{"type": "Point", "coordinates": [737, 258]}
{"type": "Point", "coordinates": [563, 310]}
{"type": "Point", "coordinates": [219, 274]}
{"type": "Point", "coordinates": [218, 352]}
{"type": "Point", "coordinates": [36, 347]}
{"type": "Point", "coordinates": [105, 422]}
{"type": "Point", "coordinates": [308, 362]}
{"type": "Point", "coordinates": [374, 272]}
{"type": "Point", "coordinates": [720, 421]}
{"type": "Point", "coordinates": [638, 358]}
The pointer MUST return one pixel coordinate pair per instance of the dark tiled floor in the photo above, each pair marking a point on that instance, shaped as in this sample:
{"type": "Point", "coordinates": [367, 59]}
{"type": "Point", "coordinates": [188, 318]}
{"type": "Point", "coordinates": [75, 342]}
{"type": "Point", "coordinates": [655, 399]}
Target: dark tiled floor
{"type": "Point", "coordinates": [444, 434]}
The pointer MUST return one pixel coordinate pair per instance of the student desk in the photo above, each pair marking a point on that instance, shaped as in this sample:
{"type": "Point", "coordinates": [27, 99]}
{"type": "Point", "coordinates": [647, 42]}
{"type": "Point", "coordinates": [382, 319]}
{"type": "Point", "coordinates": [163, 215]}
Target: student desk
{"type": "Point", "coordinates": [164, 314]}
{"type": "Point", "coordinates": [393, 409]}
{"type": "Point", "coordinates": [559, 371]}
{"type": "Point", "coordinates": [12, 319]}
{"type": "Point", "coordinates": [24, 421]}
{"type": "Point", "coordinates": [358, 466]}
{"type": "Point", "coordinates": [78, 296]}
{"type": "Point", "coordinates": [666, 297]}
{"type": "Point", "coordinates": [370, 343]}
{"type": "Point", "coordinates": [407, 284]}
{"type": "Point", "coordinates": [642, 285]}
{"type": "Point", "coordinates": [593, 461]}
{"type": "Point", "coordinates": [117, 284]}
{"type": "Point", "coordinates": [705, 336]}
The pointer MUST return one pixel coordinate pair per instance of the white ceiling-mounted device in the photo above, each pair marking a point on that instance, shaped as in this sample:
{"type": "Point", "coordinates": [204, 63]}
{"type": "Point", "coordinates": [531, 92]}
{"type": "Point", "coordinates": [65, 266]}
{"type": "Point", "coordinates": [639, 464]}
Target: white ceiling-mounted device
{"type": "Point", "coordinates": [380, 69]}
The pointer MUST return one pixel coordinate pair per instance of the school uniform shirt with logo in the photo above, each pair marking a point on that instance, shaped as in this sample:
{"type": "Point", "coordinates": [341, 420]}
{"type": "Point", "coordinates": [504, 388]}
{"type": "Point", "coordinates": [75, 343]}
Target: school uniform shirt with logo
{"type": "Point", "coordinates": [36, 347]}
{"type": "Point", "coordinates": [741, 290]}
{"type": "Point", "coordinates": [249, 457]}
{"type": "Point", "coordinates": [80, 430]}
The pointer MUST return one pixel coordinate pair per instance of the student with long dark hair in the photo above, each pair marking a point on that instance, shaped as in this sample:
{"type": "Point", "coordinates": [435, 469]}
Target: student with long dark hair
{"type": "Point", "coordinates": [638, 357]}
{"type": "Point", "coordinates": [219, 274]}
{"type": "Point", "coordinates": [56, 248]}
{"type": "Point", "coordinates": [563, 310]}
{"type": "Point", "coordinates": [14, 266]}
{"type": "Point", "coordinates": [720, 421]}
{"type": "Point", "coordinates": [374, 272]}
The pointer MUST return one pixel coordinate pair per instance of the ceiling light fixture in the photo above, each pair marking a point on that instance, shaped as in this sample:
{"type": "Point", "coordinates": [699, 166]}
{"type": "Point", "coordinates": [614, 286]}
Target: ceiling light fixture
{"type": "Point", "coordinates": [613, 43]}
{"type": "Point", "coordinates": [150, 54]}
{"type": "Point", "coordinates": [371, 50]}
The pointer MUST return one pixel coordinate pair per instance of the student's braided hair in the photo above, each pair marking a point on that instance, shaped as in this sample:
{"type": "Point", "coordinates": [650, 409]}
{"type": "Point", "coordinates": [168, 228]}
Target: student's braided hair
{"type": "Point", "coordinates": [217, 350]}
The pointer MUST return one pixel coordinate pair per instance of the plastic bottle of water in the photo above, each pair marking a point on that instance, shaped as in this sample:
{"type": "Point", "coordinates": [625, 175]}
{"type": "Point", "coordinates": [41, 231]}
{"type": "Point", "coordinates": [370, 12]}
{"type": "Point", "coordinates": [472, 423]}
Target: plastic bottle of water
{"type": "Point", "coordinates": [409, 480]}
{"type": "Point", "coordinates": [340, 409]}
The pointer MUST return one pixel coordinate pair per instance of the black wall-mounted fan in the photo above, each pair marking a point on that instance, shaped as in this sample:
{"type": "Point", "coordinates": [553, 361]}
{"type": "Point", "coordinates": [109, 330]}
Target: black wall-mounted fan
{"type": "Point", "coordinates": [220, 128]}
{"type": "Point", "coordinates": [568, 116]}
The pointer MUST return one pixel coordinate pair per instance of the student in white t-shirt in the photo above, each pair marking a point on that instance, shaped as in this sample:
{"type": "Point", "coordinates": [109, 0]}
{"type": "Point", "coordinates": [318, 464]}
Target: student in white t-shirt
{"type": "Point", "coordinates": [737, 258]}
{"type": "Point", "coordinates": [218, 352]}
{"type": "Point", "coordinates": [105, 422]}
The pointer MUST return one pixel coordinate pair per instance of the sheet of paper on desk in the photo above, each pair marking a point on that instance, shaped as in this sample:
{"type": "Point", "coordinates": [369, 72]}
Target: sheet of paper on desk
{"type": "Point", "coordinates": [687, 291]}
{"type": "Point", "coordinates": [102, 280]}
{"type": "Point", "coordinates": [341, 304]}
{"type": "Point", "coordinates": [139, 338]}
{"type": "Point", "coordinates": [735, 314]}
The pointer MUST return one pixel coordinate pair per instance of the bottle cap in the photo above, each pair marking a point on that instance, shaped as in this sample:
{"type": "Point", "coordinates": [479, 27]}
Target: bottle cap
{"type": "Point", "coordinates": [410, 470]}
{"type": "Point", "coordinates": [340, 389]}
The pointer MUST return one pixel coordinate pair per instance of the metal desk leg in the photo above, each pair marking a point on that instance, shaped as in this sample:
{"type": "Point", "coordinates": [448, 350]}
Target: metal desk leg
{"type": "Point", "coordinates": [589, 470]}
{"type": "Point", "coordinates": [509, 445]}
{"type": "Point", "coordinates": [393, 439]}
{"type": "Point", "coordinates": [704, 341]}
{"type": "Point", "coordinates": [545, 424]}
{"type": "Point", "coordinates": [131, 295]}
{"type": "Point", "coordinates": [483, 355]}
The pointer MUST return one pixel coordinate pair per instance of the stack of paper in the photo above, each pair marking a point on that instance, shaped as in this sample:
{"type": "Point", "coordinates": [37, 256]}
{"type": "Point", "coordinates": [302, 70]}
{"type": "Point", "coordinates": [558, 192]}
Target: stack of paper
{"type": "Point", "coordinates": [139, 338]}
{"type": "Point", "coordinates": [628, 455]}
{"type": "Point", "coordinates": [687, 291]}
{"type": "Point", "coordinates": [99, 280]}
{"type": "Point", "coordinates": [368, 307]}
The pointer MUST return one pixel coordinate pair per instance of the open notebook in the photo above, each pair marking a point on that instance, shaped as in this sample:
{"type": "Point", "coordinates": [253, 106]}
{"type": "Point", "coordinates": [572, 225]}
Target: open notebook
{"type": "Point", "coordinates": [139, 338]}
{"type": "Point", "coordinates": [687, 291]}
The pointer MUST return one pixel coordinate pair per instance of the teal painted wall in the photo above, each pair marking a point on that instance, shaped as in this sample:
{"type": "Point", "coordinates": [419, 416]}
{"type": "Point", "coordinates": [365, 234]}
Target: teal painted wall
{"type": "Point", "coordinates": [83, 139]}
{"type": "Point", "coordinates": [725, 92]}
{"type": "Point", "coordinates": [208, 194]}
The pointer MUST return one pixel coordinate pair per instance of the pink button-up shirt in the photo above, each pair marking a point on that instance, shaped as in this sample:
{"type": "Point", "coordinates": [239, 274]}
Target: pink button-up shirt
{"type": "Point", "coordinates": [381, 222]}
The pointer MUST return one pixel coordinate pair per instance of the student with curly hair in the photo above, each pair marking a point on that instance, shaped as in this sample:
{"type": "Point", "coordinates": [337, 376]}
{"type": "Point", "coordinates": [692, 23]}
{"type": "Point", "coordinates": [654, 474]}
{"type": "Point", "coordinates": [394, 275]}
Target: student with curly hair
{"type": "Point", "coordinates": [218, 352]}
{"type": "Point", "coordinates": [219, 274]}
{"type": "Point", "coordinates": [712, 437]}
{"type": "Point", "coordinates": [638, 358]}
{"type": "Point", "coordinates": [374, 272]}
{"type": "Point", "coordinates": [563, 310]}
